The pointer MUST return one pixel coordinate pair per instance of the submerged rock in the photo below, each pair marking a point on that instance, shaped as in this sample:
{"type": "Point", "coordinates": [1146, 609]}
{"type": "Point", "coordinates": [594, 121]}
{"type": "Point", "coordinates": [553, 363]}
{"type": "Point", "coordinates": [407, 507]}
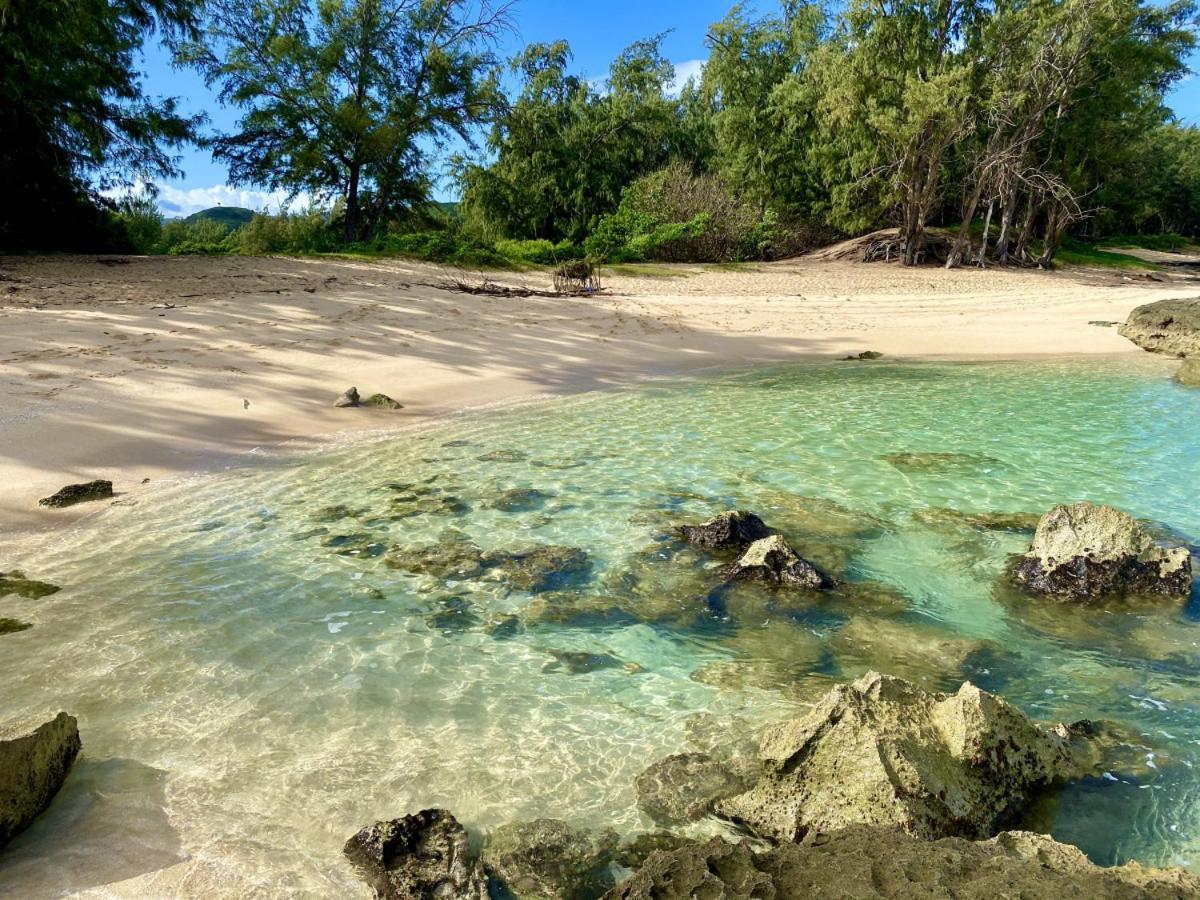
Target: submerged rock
{"type": "Point", "coordinates": [727, 531]}
{"type": "Point", "coordinates": [383, 401]}
{"type": "Point", "coordinates": [15, 582]}
{"type": "Point", "coordinates": [547, 858]}
{"type": "Point", "coordinates": [880, 863]}
{"type": "Point", "coordinates": [577, 609]}
{"type": "Point", "coordinates": [502, 626]}
{"type": "Point", "coordinates": [940, 462]}
{"type": "Point", "coordinates": [455, 557]}
{"type": "Point", "coordinates": [771, 560]}
{"type": "Point", "coordinates": [335, 513]}
{"type": "Point", "coordinates": [348, 398]}
{"type": "Point", "coordinates": [579, 662]}
{"type": "Point", "coordinates": [633, 854]}
{"type": "Point", "coordinates": [683, 788]}
{"type": "Point", "coordinates": [1167, 326]}
{"type": "Point", "coordinates": [518, 500]}
{"type": "Point", "coordinates": [541, 567]}
{"type": "Point", "coordinates": [79, 493]}
{"type": "Point", "coordinates": [506, 456]}
{"type": "Point", "coordinates": [866, 354]}
{"type": "Point", "coordinates": [911, 649]}
{"type": "Point", "coordinates": [943, 517]}
{"type": "Point", "coordinates": [33, 766]}
{"type": "Point", "coordinates": [1189, 373]}
{"type": "Point", "coordinates": [417, 857]}
{"type": "Point", "coordinates": [453, 614]}
{"type": "Point", "coordinates": [12, 626]}
{"type": "Point", "coordinates": [430, 502]}
{"type": "Point", "coordinates": [1086, 552]}
{"type": "Point", "coordinates": [882, 751]}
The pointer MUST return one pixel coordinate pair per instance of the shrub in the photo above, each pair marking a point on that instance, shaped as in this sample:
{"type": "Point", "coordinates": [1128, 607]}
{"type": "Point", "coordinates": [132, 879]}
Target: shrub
{"type": "Point", "coordinates": [202, 237]}
{"type": "Point", "coordinates": [305, 232]}
{"type": "Point", "coordinates": [538, 252]}
{"type": "Point", "coordinates": [142, 223]}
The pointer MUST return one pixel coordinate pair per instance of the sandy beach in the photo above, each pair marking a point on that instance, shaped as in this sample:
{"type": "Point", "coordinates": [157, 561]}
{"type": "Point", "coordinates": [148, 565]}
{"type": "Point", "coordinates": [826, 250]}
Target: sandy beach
{"type": "Point", "coordinates": [150, 368]}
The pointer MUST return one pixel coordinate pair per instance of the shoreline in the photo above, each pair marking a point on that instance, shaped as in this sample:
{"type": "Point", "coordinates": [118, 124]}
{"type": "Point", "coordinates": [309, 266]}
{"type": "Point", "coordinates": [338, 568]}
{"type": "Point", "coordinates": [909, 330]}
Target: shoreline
{"type": "Point", "coordinates": [115, 394]}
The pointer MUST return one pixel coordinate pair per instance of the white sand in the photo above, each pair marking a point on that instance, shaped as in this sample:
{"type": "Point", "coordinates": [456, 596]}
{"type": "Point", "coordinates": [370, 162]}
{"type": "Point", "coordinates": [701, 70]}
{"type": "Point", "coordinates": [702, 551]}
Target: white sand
{"type": "Point", "coordinates": [143, 368]}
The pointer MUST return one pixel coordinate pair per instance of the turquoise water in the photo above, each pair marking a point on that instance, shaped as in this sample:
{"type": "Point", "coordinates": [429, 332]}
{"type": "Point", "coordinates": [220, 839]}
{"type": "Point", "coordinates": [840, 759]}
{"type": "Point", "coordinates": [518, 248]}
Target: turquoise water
{"type": "Point", "coordinates": [254, 682]}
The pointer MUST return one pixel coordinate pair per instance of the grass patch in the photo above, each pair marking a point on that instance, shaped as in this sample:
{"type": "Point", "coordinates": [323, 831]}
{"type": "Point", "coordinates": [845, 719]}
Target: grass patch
{"type": "Point", "coordinates": [1077, 253]}
{"type": "Point", "coordinates": [1166, 243]}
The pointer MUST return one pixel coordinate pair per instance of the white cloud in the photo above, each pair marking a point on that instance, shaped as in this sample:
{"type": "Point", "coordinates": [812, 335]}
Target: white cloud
{"type": "Point", "coordinates": [180, 202]}
{"type": "Point", "coordinates": [689, 68]}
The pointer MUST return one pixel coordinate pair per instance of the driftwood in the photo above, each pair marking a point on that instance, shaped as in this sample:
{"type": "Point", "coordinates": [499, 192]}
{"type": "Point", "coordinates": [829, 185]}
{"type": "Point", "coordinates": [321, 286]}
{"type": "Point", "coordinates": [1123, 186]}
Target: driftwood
{"type": "Point", "coordinates": [885, 249]}
{"type": "Point", "coordinates": [488, 288]}
{"type": "Point", "coordinates": [577, 276]}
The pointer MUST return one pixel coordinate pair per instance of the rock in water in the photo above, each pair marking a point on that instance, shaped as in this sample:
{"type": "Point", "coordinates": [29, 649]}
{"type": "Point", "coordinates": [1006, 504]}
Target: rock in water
{"type": "Point", "coordinates": [348, 398]}
{"type": "Point", "coordinates": [881, 751]}
{"type": "Point", "coordinates": [540, 567]}
{"type": "Point", "coordinates": [1168, 326]}
{"type": "Point", "coordinates": [1189, 372]}
{"type": "Point", "coordinates": [873, 863]}
{"type": "Point", "coordinates": [15, 582]}
{"type": "Point", "coordinates": [383, 401]}
{"type": "Point", "coordinates": [548, 858]}
{"type": "Point", "coordinates": [683, 788]}
{"type": "Point", "coordinates": [417, 857]}
{"type": "Point", "coordinates": [79, 493]}
{"type": "Point", "coordinates": [727, 531]}
{"type": "Point", "coordinates": [1086, 552]}
{"type": "Point", "coordinates": [33, 766]}
{"type": "Point", "coordinates": [773, 561]}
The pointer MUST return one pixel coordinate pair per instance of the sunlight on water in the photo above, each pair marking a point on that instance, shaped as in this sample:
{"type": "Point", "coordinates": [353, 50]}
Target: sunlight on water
{"type": "Point", "coordinates": [254, 682]}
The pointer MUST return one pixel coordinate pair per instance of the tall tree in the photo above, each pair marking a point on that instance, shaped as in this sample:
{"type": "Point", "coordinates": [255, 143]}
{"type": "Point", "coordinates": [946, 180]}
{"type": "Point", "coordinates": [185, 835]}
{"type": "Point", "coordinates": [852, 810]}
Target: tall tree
{"type": "Point", "coordinates": [74, 116]}
{"type": "Point", "coordinates": [347, 100]}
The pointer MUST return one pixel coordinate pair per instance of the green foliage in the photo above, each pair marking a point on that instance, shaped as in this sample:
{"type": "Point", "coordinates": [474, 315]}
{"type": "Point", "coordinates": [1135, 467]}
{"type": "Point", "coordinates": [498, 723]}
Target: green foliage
{"type": "Point", "coordinates": [304, 232]}
{"type": "Point", "coordinates": [74, 118]}
{"type": "Point", "coordinates": [1164, 243]}
{"type": "Point", "coordinates": [538, 252]}
{"type": "Point", "coordinates": [142, 223]}
{"type": "Point", "coordinates": [202, 237]}
{"type": "Point", "coordinates": [1080, 253]}
{"type": "Point", "coordinates": [229, 216]}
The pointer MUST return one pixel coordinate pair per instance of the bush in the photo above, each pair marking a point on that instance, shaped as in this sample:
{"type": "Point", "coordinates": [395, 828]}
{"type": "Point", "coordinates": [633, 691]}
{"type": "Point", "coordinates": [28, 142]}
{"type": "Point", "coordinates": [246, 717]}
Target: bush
{"type": "Point", "coordinates": [307, 232]}
{"type": "Point", "coordinates": [202, 237]}
{"type": "Point", "coordinates": [445, 246]}
{"type": "Point", "coordinates": [142, 223]}
{"type": "Point", "coordinates": [539, 252]}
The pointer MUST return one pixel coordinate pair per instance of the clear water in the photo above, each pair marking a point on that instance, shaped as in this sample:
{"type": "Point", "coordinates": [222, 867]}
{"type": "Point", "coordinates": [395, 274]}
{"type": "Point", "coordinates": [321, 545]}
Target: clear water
{"type": "Point", "coordinates": [248, 697]}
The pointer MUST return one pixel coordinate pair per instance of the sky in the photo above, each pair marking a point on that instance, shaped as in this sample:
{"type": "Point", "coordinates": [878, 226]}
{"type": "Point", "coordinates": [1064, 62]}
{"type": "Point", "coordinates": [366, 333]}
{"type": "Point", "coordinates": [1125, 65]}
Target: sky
{"type": "Point", "coordinates": [597, 31]}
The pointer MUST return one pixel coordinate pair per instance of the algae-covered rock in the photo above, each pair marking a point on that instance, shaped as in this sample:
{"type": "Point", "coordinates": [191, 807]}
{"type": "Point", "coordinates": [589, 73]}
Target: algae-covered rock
{"type": "Point", "coordinates": [771, 560]}
{"type": "Point", "coordinates": [940, 517]}
{"type": "Point", "coordinates": [417, 857]}
{"type": "Point", "coordinates": [912, 649]}
{"type": "Point", "coordinates": [667, 582]}
{"type": "Point", "coordinates": [12, 626]}
{"type": "Point", "coordinates": [881, 751]}
{"type": "Point", "coordinates": [936, 463]}
{"type": "Point", "coordinates": [579, 662]}
{"type": "Point", "coordinates": [359, 545]}
{"type": "Point", "coordinates": [431, 502]}
{"type": "Point", "coordinates": [502, 626]}
{"type": "Point", "coordinates": [15, 582]}
{"type": "Point", "coordinates": [1189, 373]}
{"type": "Point", "coordinates": [1166, 326]}
{"type": "Point", "coordinates": [455, 557]}
{"type": "Point", "coordinates": [79, 493]}
{"type": "Point", "coordinates": [727, 531]}
{"type": "Point", "coordinates": [881, 863]}
{"type": "Point", "coordinates": [547, 858]}
{"type": "Point", "coordinates": [453, 614]}
{"type": "Point", "coordinates": [518, 500]}
{"type": "Point", "coordinates": [382, 401]}
{"type": "Point", "coordinates": [335, 512]}
{"type": "Point", "coordinates": [1085, 552]}
{"type": "Point", "coordinates": [34, 763]}
{"type": "Point", "coordinates": [683, 787]}
{"type": "Point", "coordinates": [505, 456]}
{"type": "Point", "coordinates": [576, 609]}
{"type": "Point", "coordinates": [540, 567]}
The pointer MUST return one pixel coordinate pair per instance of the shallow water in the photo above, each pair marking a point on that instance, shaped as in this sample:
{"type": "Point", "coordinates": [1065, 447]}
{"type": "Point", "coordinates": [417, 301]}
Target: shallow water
{"type": "Point", "coordinates": [249, 696]}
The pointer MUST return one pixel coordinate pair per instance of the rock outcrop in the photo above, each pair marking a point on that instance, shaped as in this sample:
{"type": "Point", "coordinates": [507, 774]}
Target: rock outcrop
{"type": "Point", "coordinates": [417, 857]}
{"type": "Point", "coordinates": [79, 493]}
{"type": "Point", "coordinates": [1167, 326]}
{"type": "Point", "coordinates": [549, 859]}
{"type": "Point", "coordinates": [873, 863]}
{"type": "Point", "coordinates": [1088, 552]}
{"type": "Point", "coordinates": [33, 766]}
{"type": "Point", "coordinates": [727, 531]}
{"type": "Point", "coordinates": [771, 560]}
{"type": "Point", "coordinates": [683, 788]}
{"type": "Point", "coordinates": [881, 751]}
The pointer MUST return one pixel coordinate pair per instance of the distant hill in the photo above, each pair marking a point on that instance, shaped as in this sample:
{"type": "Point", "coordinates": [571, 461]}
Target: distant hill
{"type": "Point", "coordinates": [229, 216]}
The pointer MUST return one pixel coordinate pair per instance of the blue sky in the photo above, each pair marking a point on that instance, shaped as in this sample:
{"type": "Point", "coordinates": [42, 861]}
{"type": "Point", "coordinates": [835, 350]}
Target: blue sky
{"type": "Point", "coordinates": [596, 29]}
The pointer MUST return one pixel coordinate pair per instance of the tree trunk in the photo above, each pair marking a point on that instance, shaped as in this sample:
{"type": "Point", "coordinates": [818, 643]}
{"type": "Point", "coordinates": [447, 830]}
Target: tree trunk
{"type": "Point", "coordinates": [1009, 202]}
{"type": "Point", "coordinates": [987, 227]}
{"type": "Point", "coordinates": [351, 232]}
{"type": "Point", "coordinates": [1026, 229]}
{"type": "Point", "coordinates": [964, 232]}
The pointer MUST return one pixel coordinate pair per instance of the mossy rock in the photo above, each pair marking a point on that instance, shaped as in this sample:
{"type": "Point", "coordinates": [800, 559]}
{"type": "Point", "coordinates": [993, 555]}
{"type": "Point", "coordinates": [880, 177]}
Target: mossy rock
{"type": "Point", "coordinates": [455, 557]}
{"type": "Point", "coordinates": [15, 582]}
{"type": "Point", "coordinates": [942, 517]}
{"type": "Point", "coordinates": [518, 500]}
{"type": "Point", "coordinates": [12, 626]}
{"type": "Point", "coordinates": [383, 401]}
{"type": "Point", "coordinates": [540, 567]}
{"type": "Point", "coordinates": [79, 493]}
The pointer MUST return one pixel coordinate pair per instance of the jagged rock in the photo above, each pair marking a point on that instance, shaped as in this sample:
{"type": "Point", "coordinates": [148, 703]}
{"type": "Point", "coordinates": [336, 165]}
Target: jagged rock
{"type": "Point", "coordinates": [15, 582]}
{"type": "Point", "coordinates": [548, 858]}
{"type": "Point", "coordinates": [1189, 373]}
{"type": "Point", "coordinates": [383, 401]}
{"type": "Point", "coordinates": [683, 787]}
{"type": "Point", "coordinates": [518, 500]}
{"type": "Point", "coordinates": [633, 854]}
{"type": "Point", "coordinates": [1087, 552]}
{"type": "Point", "coordinates": [942, 517]}
{"type": "Point", "coordinates": [541, 567]}
{"type": "Point", "coordinates": [727, 531]}
{"type": "Point", "coordinates": [1167, 326]}
{"type": "Point", "coordinates": [79, 493]}
{"type": "Point", "coordinates": [880, 863]}
{"type": "Point", "coordinates": [33, 766]}
{"type": "Point", "coordinates": [456, 557]}
{"type": "Point", "coordinates": [882, 751]}
{"type": "Point", "coordinates": [771, 560]}
{"type": "Point", "coordinates": [417, 857]}
{"type": "Point", "coordinates": [348, 398]}
{"type": "Point", "coordinates": [12, 626]}
{"type": "Point", "coordinates": [940, 462]}
{"type": "Point", "coordinates": [830, 533]}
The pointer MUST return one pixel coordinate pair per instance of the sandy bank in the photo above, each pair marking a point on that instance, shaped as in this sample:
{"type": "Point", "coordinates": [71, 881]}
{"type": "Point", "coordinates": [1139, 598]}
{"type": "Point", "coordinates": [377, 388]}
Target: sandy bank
{"type": "Point", "coordinates": [147, 368]}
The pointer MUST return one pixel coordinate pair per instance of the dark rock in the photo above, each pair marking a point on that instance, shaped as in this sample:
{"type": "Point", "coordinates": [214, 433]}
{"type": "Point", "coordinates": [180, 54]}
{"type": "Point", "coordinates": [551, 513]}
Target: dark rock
{"type": "Point", "coordinates": [503, 626]}
{"type": "Point", "coordinates": [881, 863]}
{"type": "Point", "coordinates": [579, 662]}
{"type": "Point", "coordinates": [944, 517]}
{"type": "Point", "coordinates": [12, 626]}
{"type": "Point", "coordinates": [359, 545]}
{"type": "Point", "coordinates": [866, 354]}
{"type": "Point", "coordinates": [456, 557]}
{"type": "Point", "coordinates": [771, 560]}
{"type": "Point", "coordinates": [882, 751]}
{"type": "Point", "coordinates": [417, 857]}
{"type": "Point", "coordinates": [507, 456]}
{"type": "Point", "coordinates": [1088, 552]}
{"type": "Point", "coordinates": [518, 500]}
{"type": "Point", "coordinates": [935, 463]}
{"type": "Point", "coordinates": [454, 614]}
{"type": "Point", "coordinates": [576, 609]}
{"type": "Point", "coordinates": [633, 854]}
{"type": "Point", "coordinates": [383, 401]}
{"type": "Point", "coordinates": [33, 766]}
{"type": "Point", "coordinates": [683, 788]}
{"type": "Point", "coordinates": [430, 502]}
{"type": "Point", "coordinates": [547, 858]}
{"type": "Point", "coordinates": [348, 398]}
{"type": "Point", "coordinates": [541, 567]}
{"type": "Point", "coordinates": [727, 531]}
{"type": "Point", "coordinates": [1167, 326]}
{"type": "Point", "coordinates": [335, 513]}
{"type": "Point", "coordinates": [79, 493]}
{"type": "Point", "coordinates": [15, 582]}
